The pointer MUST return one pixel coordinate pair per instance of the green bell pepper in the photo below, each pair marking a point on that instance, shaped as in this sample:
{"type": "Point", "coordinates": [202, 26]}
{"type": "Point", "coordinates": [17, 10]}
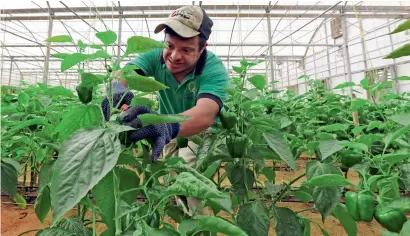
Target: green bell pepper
{"type": "Point", "coordinates": [390, 218]}
{"type": "Point", "coordinates": [85, 94]}
{"type": "Point", "coordinates": [360, 206]}
{"type": "Point", "coordinates": [182, 142]}
{"type": "Point", "coordinates": [228, 120]}
{"type": "Point", "coordinates": [237, 144]}
{"type": "Point", "coordinates": [350, 158]}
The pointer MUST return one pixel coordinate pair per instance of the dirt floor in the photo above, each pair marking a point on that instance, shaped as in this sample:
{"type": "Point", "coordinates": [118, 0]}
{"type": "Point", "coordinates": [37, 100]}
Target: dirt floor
{"type": "Point", "coordinates": [15, 221]}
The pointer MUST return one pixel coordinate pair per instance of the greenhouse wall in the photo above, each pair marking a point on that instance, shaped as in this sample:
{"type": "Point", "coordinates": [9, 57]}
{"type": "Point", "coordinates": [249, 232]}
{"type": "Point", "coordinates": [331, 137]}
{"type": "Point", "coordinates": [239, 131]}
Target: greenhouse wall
{"type": "Point", "coordinates": [377, 44]}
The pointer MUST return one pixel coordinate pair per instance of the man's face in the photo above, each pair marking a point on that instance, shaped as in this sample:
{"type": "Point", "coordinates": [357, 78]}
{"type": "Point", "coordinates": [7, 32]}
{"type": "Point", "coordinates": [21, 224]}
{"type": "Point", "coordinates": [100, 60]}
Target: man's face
{"type": "Point", "coordinates": [182, 55]}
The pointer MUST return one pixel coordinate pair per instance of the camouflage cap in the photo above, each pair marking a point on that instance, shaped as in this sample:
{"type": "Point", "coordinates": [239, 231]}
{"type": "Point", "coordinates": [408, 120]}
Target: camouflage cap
{"type": "Point", "coordinates": [188, 21]}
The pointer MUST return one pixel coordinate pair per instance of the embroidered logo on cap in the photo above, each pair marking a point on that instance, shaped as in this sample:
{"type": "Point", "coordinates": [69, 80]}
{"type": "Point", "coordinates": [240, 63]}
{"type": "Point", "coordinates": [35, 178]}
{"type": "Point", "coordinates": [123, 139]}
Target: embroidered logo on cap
{"type": "Point", "coordinates": [185, 14]}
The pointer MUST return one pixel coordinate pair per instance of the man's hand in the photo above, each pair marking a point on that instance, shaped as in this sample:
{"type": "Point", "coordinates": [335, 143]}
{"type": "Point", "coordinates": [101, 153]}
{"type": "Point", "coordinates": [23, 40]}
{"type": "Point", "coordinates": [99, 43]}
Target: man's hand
{"type": "Point", "coordinates": [159, 135]}
{"type": "Point", "coordinates": [105, 105]}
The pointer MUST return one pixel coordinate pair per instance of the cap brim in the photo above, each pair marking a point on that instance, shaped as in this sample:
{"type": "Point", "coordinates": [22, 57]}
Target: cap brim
{"type": "Point", "coordinates": [179, 28]}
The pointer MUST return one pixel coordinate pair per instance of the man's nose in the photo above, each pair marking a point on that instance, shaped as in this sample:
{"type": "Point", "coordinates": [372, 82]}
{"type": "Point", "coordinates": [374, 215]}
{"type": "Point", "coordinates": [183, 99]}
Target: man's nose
{"type": "Point", "coordinates": [175, 55]}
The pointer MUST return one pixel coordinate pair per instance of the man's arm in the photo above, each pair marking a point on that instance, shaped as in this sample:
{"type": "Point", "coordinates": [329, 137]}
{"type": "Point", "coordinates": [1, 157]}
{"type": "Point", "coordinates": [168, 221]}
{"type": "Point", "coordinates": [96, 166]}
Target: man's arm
{"type": "Point", "coordinates": [202, 117]}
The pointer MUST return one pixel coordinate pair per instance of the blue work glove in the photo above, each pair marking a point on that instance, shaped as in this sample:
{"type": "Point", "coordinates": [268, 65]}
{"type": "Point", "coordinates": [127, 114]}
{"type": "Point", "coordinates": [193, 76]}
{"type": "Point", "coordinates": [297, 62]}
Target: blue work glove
{"type": "Point", "coordinates": [159, 135]}
{"type": "Point", "coordinates": [119, 90]}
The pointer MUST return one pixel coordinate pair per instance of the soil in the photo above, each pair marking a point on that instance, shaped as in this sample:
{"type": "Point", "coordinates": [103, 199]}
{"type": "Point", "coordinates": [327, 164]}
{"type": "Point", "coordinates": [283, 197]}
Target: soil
{"type": "Point", "coordinates": [16, 221]}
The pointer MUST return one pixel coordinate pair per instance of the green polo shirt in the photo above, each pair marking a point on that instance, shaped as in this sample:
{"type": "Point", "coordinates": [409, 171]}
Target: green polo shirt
{"type": "Point", "coordinates": [209, 78]}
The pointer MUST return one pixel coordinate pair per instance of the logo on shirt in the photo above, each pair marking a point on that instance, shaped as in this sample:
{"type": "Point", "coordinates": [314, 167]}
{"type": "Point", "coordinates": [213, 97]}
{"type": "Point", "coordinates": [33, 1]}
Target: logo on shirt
{"type": "Point", "coordinates": [191, 87]}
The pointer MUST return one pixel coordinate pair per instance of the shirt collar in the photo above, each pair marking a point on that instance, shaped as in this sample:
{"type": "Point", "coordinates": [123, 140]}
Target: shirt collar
{"type": "Point", "coordinates": [199, 66]}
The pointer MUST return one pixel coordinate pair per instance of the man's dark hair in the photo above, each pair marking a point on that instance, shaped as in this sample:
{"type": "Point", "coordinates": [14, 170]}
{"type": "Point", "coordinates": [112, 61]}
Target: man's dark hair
{"type": "Point", "coordinates": [202, 39]}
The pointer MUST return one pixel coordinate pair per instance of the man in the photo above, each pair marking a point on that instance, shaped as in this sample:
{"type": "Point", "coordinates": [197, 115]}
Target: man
{"type": "Point", "coordinates": [196, 79]}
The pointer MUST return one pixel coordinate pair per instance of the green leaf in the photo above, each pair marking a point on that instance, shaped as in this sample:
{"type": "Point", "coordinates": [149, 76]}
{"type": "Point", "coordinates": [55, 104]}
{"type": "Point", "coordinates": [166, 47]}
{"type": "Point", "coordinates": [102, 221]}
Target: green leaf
{"type": "Point", "coordinates": [143, 84]}
{"type": "Point", "coordinates": [405, 230]}
{"type": "Point", "coordinates": [54, 232]}
{"type": "Point", "coordinates": [72, 60]}
{"type": "Point", "coordinates": [23, 99]}
{"type": "Point", "coordinates": [327, 180]}
{"type": "Point", "coordinates": [395, 158]}
{"type": "Point", "coordinates": [128, 68]}
{"type": "Point", "coordinates": [274, 189]}
{"type": "Point", "coordinates": [402, 78]}
{"type": "Point", "coordinates": [358, 103]}
{"type": "Point", "coordinates": [218, 225]}
{"type": "Point", "coordinates": [365, 83]}
{"type": "Point", "coordinates": [238, 69]}
{"type": "Point", "coordinates": [350, 226]}
{"type": "Point", "coordinates": [84, 159]}
{"type": "Point", "coordinates": [187, 184]}
{"type": "Point", "coordinates": [44, 177]}
{"type": "Point", "coordinates": [218, 204]}
{"type": "Point", "coordinates": [403, 118]}
{"type": "Point", "coordinates": [60, 39]}
{"type": "Point", "coordinates": [286, 222]}
{"type": "Point", "coordinates": [107, 37]}
{"type": "Point", "coordinates": [152, 119]}
{"type": "Point", "coordinates": [355, 145]}
{"type": "Point", "coordinates": [357, 130]}
{"type": "Point", "coordinates": [82, 116]}
{"type": "Point", "coordinates": [20, 126]}
{"type": "Point", "coordinates": [8, 178]}
{"type": "Point", "coordinates": [103, 193]}
{"type": "Point", "coordinates": [242, 181]}
{"type": "Point", "coordinates": [100, 54]}
{"type": "Point", "coordinates": [60, 55]}
{"type": "Point", "coordinates": [140, 44]}
{"type": "Point", "coordinates": [390, 137]}
{"type": "Point", "coordinates": [204, 152]}
{"type": "Point", "coordinates": [253, 218]}
{"type": "Point", "coordinates": [41, 154]}
{"type": "Point", "coordinates": [303, 196]}
{"type": "Point", "coordinates": [388, 189]}
{"type": "Point", "coordinates": [333, 127]}
{"type": "Point", "coordinates": [329, 147]}
{"type": "Point", "coordinates": [43, 204]}
{"type": "Point", "coordinates": [402, 203]}
{"type": "Point", "coordinates": [75, 225]}
{"type": "Point", "coordinates": [59, 91]}
{"type": "Point", "coordinates": [91, 80]}
{"type": "Point", "coordinates": [269, 172]}
{"type": "Point", "coordinates": [303, 77]}
{"type": "Point", "coordinates": [96, 46]}
{"type": "Point", "coordinates": [402, 27]}
{"type": "Point", "coordinates": [399, 52]}
{"type": "Point", "coordinates": [344, 85]}
{"type": "Point", "coordinates": [45, 101]}
{"type": "Point", "coordinates": [20, 201]}
{"type": "Point", "coordinates": [325, 198]}
{"type": "Point", "coordinates": [278, 144]}
{"type": "Point", "coordinates": [258, 81]}
{"type": "Point", "coordinates": [316, 168]}
{"type": "Point", "coordinates": [81, 44]}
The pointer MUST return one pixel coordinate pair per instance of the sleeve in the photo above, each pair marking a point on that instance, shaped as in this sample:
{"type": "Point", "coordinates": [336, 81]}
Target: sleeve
{"type": "Point", "coordinates": [214, 81]}
{"type": "Point", "coordinates": [147, 62]}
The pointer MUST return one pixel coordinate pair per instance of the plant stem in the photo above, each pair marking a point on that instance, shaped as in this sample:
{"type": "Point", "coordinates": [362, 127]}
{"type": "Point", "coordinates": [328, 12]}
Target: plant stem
{"type": "Point", "coordinates": [287, 187]}
{"type": "Point", "coordinates": [307, 209]}
{"type": "Point", "coordinates": [116, 197]}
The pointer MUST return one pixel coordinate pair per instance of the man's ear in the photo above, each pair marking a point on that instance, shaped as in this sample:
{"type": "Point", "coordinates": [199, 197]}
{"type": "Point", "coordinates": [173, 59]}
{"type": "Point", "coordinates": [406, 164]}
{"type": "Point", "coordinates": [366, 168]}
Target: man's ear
{"type": "Point", "coordinates": [202, 50]}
